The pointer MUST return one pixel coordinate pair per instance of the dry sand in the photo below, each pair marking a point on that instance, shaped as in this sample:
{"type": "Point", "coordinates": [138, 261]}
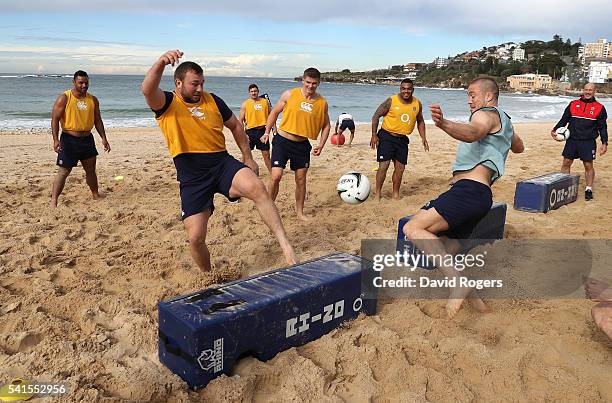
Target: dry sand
{"type": "Point", "coordinates": [79, 285]}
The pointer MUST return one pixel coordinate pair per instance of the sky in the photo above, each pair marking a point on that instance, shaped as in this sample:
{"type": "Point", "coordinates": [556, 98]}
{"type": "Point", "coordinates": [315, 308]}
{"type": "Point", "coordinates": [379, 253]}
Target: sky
{"type": "Point", "coordinates": [275, 38]}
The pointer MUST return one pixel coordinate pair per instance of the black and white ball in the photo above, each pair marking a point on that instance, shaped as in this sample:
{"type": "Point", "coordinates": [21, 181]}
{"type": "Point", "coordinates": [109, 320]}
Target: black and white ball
{"type": "Point", "coordinates": [562, 133]}
{"type": "Point", "coordinates": [353, 188]}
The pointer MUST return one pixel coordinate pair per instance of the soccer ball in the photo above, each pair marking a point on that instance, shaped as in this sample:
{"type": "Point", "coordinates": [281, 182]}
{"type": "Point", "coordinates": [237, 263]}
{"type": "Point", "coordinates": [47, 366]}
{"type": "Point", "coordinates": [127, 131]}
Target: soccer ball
{"type": "Point", "coordinates": [563, 133]}
{"type": "Point", "coordinates": [353, 188]}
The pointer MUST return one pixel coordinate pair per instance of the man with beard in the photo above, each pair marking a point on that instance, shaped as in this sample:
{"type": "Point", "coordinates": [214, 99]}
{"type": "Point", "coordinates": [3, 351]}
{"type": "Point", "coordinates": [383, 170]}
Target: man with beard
{"type": "Point", "coordinates": [192, 122]}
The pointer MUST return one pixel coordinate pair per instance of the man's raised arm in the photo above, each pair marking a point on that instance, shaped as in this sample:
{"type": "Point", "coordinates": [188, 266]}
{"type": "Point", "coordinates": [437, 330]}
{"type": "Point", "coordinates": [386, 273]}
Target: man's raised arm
{"type": "Point", "coordinates": [150, 85]}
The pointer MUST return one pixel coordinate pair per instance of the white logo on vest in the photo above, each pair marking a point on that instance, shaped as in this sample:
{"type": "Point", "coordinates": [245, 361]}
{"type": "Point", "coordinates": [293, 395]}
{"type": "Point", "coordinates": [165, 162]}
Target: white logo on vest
{"type": "Point", "coordinates": [196, 112]}
{"type": "Point", "coordinates": [81, 105]}
{"type": "Point", "coordinates": [306, 107]}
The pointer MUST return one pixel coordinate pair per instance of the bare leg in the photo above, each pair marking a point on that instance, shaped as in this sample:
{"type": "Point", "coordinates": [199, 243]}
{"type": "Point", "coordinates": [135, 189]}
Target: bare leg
{"type": "Point", "coordinates": [398, 172]}
{"type": "Point", "coordinates": [351, 139]}
{"type": "Point", "coordinates": [276, 174]}
{"type": "Point", "coordinates": [300, 192]}
{"type": "Point", "coordinates": [602, 314]}
{"type": "Point", "coordinates": [89, 165]}
{"type": "Point", "coordinates": [566, 165]}
{"type": "Point", "coordinates": [58, 184]}
{"type": "Point", "coordinates": [246, 184]}
{"type": "Point", "coordinates": [196, 227]}
{"type": "Point", "coordinates": [266, 157]}
{"type": "Point", "coordinates": [421, 230]}
{"type": "Point", "coordinates": [381, 174]}
{"type": "Point", "coordinates": [589, 173]}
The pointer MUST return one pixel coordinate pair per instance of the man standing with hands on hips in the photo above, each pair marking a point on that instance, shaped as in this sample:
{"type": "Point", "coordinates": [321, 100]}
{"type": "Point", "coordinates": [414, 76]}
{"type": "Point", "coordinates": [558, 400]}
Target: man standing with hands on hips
{"type": "Point", "coordinates": [587, 121]}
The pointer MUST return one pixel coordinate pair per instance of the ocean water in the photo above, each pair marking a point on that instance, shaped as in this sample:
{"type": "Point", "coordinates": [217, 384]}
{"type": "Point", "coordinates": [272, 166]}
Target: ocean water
{"type": "Point", "coordinates": [26, 100]}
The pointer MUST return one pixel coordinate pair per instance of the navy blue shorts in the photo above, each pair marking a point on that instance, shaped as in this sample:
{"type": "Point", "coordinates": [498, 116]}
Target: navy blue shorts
{"type": "Point", "coordinates": [75, 149]}
{"type": "Point", "coordinates": [297, 152]}
{"type": "Point", "coordinates": [392, 147]}
{"type": "Point", "coordinates": [462, 206]}
{"type": "Point", "coordinates": [201, 175]}
{"type": "Point", "coordinates": [255, 134]}
{"type": "Point", "coordinates": [583, 149]}
{"type": "Point", "coordinates": [347, 124]}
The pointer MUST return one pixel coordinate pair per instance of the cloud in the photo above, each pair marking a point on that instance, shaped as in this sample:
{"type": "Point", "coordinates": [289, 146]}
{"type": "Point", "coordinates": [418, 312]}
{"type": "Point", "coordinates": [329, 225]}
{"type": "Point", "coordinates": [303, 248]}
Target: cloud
{"type": "Point", "coordinates": [302, 43]}
{"type": "Point", "coordinates": [68, 40]}
{"type": "Point", "coordinates": [469, 17]}
{"type": "Point", "coordinates": [119, 59]}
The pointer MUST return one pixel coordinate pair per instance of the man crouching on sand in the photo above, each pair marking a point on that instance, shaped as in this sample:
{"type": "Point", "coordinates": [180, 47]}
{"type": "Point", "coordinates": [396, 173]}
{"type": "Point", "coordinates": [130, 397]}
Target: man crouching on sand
{"type": "Point", "coordinates": [480, 160]}
{"type": "Point", "coordinates": [192, 122]}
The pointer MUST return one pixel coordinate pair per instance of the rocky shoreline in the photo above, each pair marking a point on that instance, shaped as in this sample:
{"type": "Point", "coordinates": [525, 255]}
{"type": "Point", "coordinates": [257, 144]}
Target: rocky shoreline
{"type": "Point", "coordinates": [449, 85]}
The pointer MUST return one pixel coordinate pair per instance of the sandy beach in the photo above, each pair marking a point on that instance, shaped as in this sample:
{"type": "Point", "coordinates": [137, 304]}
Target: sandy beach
{"type": "Point", "coordinates": [79, 285]}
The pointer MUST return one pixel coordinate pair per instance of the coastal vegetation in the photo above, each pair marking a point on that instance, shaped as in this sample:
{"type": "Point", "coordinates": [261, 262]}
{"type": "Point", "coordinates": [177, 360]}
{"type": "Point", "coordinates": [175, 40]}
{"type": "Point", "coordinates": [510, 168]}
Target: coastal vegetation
{"type": "Point", "coordinates": [557, 58]}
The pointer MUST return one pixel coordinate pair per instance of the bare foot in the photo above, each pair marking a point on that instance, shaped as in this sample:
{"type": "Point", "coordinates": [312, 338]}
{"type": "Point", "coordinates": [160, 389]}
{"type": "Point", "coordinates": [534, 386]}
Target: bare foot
{"type": "Point", "coordinates": [602, 314]}
{"type": "Point", "coordinates": [478, 303]}
{"type": "Point", "coordinates": [97, 196]}
{"type": "Point", "coordinates": [458, 295]}
{"type": "Point", "coordinates": [53, 203]}
{"type": "Point", "coordinates": [378, 196]}
{"type": "Point", "coordinates": [597, 290]}
{"type": "Point", "coordinates": [303, 217]}
{"type": "Point", "coordinates": [396, 196]}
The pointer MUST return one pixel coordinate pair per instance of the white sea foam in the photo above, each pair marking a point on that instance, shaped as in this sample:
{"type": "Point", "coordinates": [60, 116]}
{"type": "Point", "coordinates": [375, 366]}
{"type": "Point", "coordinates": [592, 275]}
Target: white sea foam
{"type": "Point", "coordinates": [108, 123]}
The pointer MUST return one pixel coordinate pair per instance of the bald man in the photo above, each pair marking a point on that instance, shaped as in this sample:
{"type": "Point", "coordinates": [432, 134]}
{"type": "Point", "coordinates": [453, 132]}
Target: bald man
{"type": "Point", "coordinates": [481, 157]}
{"type": "Point", "coordinates": [587, 121]}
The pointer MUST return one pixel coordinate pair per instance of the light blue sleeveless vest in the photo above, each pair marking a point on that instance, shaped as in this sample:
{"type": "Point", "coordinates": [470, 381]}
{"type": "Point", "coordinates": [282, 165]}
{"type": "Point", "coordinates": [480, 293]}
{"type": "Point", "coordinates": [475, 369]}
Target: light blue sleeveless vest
{"type": "Point", "coordinates": [491, 151]}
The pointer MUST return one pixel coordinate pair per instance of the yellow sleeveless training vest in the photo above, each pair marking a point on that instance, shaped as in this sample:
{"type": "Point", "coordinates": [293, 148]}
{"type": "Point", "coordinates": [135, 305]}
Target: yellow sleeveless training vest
{"type": "Point", "coordinates": [303, 117]}
{"type": "Point", "coordinates": [256, 112]}
{"type": "Point", "coordinates": [401, 117]}
{"type": "Point", "coordinates": [192, 128]}
{"type": "Point", "coordinates": [78, 114]}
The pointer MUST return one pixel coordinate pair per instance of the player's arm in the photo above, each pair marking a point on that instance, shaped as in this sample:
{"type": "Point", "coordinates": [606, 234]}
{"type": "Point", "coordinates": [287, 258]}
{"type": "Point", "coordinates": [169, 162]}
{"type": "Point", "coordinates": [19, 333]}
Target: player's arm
{"type": "Point", "coordinates": [56, 117]}
{"type": "Point", "coordinates": [242, 117]}
{"type": "Point", "coordinates": [381, 111]}
{"type": "Point", "coordinates": [481, 124]}
{"type": "Point", "coordinates": [421, 127]}
{"type": "Point", "coordinates": [567, 114]}
{"type": "Point", "coordinates": [517, 145]}
{"type": "Point", "coordinates": [278, 108]}
{"type": "Point", "coordinates": [242, 141]}
{"type": "Point", "coordinates": [100, 125]}
{"type": "Point", "coordinates": [602, 128]}
{"type": "Point", "coordinates": [336, 127]}
{"type": "Point", "coordinates": [324, 133]}
{"type": "Point", "coordinates": [150, 85]}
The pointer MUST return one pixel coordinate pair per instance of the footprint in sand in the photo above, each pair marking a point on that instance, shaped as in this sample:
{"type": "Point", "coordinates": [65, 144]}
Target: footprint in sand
{"type": "Point", "coordinates": [433, 310]}
{"type": "Point", "coordinates": [53, 258]}
{"type": "Point", "coordinates": [22, 342]}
